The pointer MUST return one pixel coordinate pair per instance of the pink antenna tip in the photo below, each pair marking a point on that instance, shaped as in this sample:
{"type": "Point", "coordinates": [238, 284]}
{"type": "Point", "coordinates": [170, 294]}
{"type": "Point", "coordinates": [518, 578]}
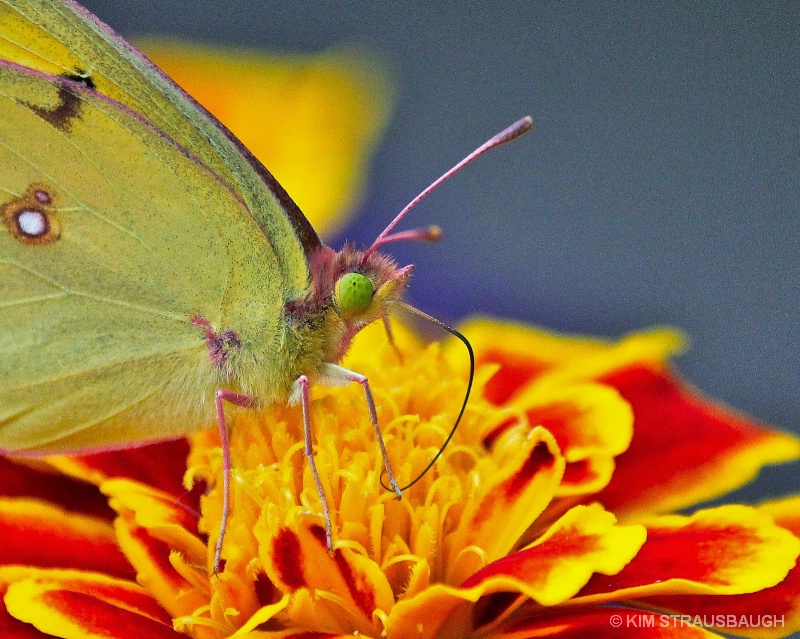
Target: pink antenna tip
{"type": "Point", "coordinates": [506, 135]}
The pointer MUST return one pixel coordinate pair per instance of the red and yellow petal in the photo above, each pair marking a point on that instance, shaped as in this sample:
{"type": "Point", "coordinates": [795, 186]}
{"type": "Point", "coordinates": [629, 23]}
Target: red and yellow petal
{"type": "Point", "coordinates": [583, 542]}
{"type": "Point", "coordinates": [778, 605]}
{"type": "Point", "coordinates": [685, 449]}
{"type": "Point", "coordinates": [527, 353]}
{"type": "Point", "coordinates": [523, 354]}
{"type": "Point", "coordinates": [587, 540]}
{"type": "Point", "coordinates": [722, 551]}
{"type": "Point", "coordinates": [497, 513]}
{"type": "Point", "coordinates": [336, 591]}
{"type": "Point", "coordinates": [155, 534]}
{"type": "Point", "coordinates": [36, 533]}
{"type": "Point", "coordinates": [591, 423]}
{"type": "Point", "coordinates": [83, 605]}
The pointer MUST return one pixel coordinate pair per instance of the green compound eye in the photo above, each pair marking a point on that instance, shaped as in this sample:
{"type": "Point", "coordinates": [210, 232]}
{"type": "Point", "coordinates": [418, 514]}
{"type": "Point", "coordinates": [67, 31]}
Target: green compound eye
{"type": "Point", "coordinates": [354, 292]}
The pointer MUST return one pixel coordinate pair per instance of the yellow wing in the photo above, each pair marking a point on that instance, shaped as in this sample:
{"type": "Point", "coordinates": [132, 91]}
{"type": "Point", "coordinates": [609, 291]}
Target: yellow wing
{"type": "Point", "coordinates": [113, 239]}
{"type": "Point", "coordinates": [61, 38]}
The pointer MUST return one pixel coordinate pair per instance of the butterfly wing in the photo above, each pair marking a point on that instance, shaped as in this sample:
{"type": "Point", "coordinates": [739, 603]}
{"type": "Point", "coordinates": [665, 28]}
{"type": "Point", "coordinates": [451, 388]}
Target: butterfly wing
{"type": "Point", "coordinates": [114, 239]}
{"type": "Point", "coordinates": [62, 38]}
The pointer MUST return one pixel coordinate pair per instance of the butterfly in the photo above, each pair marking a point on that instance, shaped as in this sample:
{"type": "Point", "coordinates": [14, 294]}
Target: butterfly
{"type": "Point", "coordinates": [152, 271]}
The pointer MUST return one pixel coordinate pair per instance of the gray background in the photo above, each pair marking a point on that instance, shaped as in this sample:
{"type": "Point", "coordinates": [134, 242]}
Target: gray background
{"type": "Point", "coordinates": [659, 186]}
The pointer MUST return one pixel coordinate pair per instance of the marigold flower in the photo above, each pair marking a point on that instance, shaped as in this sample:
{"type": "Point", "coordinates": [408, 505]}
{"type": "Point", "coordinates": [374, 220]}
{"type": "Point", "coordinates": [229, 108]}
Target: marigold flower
{"type": "Point", "coordinates": [521, 529]}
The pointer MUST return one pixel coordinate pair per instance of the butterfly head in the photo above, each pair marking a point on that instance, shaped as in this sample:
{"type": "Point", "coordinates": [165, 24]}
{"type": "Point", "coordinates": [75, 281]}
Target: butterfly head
{"type": "Point", "coordinates": [364, 284]}
{"type": "Point", "coordinates": [356, 295]}
{"type": "Point", "coordinates": [348, 291]}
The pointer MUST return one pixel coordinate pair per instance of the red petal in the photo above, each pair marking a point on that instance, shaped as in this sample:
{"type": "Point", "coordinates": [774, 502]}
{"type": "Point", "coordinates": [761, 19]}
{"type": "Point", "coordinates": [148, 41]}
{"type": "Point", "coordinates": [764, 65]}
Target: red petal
{"type": "Point", "coordinates": [685, 449]}
{"type": "Point", "coordinates": [160, 465]}
{"type": "Point", "coordinates": [36, 533]}
{"type": "Point", "coordinates": [24, 478]}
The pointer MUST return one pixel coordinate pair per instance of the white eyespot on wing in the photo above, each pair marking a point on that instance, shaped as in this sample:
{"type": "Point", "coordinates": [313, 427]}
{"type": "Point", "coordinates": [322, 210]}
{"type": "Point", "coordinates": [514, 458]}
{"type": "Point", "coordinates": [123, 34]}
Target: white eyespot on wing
{"type": "Point", "coordinates": [32, 218]}
{"type": "Point", "coordinates": [32, 223]}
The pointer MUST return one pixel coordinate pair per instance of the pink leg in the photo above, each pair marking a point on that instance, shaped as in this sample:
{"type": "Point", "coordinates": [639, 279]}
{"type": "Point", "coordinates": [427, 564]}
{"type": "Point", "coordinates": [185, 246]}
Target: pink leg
{"type": "Point", "coordinates": [373, 417]}
{"type": "Point", "coordinates": [305, 401]}
{"type": "Point", "coordinates": [240, 400]}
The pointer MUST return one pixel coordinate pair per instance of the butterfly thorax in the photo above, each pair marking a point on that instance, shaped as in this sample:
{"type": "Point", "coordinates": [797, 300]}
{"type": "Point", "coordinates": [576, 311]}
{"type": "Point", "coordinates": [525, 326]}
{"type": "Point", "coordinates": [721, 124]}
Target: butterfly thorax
{"type": "Point", "coordinates": [346, 292]}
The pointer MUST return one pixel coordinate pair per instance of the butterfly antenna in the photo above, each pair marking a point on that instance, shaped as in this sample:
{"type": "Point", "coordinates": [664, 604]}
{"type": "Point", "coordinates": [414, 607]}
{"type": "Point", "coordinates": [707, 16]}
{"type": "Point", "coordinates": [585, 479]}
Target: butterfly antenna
{"type": "Point", "coordinates": [465, 341]}
{"type": "Point", "coordinates": [431, 234]}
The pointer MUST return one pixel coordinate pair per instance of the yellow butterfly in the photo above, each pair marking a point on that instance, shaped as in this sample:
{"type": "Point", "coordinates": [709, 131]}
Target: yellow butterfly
{"type": "Point", "coordinates": [151, 269]}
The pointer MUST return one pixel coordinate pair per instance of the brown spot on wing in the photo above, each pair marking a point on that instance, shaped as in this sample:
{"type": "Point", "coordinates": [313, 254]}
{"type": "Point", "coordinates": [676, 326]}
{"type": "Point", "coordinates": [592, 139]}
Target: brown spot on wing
{"type": "Point", "coordinates": [69, 106]}
{"type": "Point", "coordinates": [33, 217]}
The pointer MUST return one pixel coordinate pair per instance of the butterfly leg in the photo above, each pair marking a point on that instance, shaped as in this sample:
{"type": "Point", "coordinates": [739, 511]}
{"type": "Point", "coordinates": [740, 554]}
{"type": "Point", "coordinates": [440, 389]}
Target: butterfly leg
{"type": "Point", "coordinates": [302, 384]}
{"type": "Point", "coordinates": [387, 326]}
{"type": "Point", "coordinates": [335, 375]}
{"type": "Point", "coordinates": [240, 400]}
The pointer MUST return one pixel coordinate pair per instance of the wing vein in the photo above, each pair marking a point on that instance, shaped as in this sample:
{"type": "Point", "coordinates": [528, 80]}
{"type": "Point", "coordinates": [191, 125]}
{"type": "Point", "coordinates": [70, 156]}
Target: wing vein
{"type": "Point", "coordinates": [97, 298]}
